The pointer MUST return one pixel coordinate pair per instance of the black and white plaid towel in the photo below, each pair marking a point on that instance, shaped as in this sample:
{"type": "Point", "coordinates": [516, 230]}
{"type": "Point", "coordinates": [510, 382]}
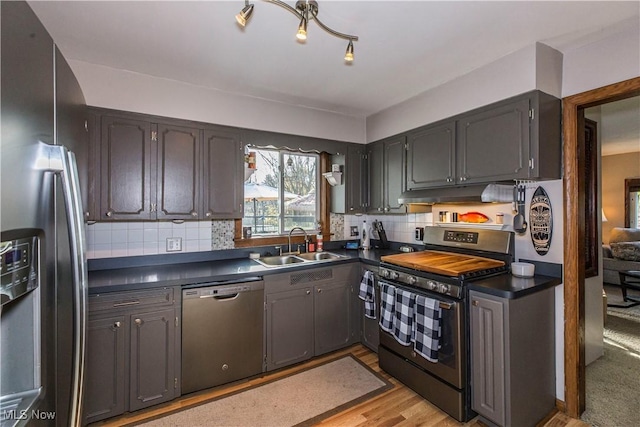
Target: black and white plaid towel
{"type": "Point", "coordinates": [427, 328]}
{"type": "Point", "coordinates": [403, 319]}
{"type": "Point", "coordinates": [368, 294]}
{"type": "Point", "coordinates": [387, 304]}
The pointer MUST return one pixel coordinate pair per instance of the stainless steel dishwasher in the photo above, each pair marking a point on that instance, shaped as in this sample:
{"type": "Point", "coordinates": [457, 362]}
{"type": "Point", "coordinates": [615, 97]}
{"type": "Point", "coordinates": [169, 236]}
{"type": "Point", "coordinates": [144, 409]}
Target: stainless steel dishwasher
{"type": "Point", "coordinates": [222, 332]}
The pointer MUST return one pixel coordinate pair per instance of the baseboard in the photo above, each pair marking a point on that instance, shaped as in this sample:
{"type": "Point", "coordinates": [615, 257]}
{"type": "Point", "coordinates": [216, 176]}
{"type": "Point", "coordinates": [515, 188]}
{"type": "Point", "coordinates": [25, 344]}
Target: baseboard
{"type": "Point", "coordinates": [562, 407]}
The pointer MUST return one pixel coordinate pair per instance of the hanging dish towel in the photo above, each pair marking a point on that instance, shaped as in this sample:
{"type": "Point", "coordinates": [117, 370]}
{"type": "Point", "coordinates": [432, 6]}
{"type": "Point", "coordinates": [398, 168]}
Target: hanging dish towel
{"type": "Point", "coordinates": [403, 319]}
{"type": "Point", "coordinates": [387, 303]}
{"type": "Point", "coordinates": [427, 328]}
{"type": "Point", "coordinates": [368, 294]}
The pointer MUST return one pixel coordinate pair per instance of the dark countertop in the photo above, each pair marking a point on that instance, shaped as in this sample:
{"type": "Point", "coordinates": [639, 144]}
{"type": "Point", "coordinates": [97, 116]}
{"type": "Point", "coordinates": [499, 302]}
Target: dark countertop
{"type": "Point", "coordinates": [236, 269]}
{"type": "Point", "coordinates": [511, 287]}
{"type": "Point", "coordinates": [190, 273]}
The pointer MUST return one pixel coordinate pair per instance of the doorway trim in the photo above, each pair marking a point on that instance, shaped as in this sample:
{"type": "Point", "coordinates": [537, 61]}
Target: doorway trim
{"type": "Point", "coordinates": [574, 272]}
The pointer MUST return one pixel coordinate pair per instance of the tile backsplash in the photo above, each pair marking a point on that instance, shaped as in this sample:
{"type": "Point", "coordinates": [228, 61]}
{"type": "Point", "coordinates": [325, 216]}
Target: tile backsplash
{"type": "Point", "coordinates": [117, 239]}
{"type": "Point", "coordinates": [399, 228]}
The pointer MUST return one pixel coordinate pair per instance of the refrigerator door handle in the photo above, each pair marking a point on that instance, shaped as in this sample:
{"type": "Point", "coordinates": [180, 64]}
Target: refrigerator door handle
{"type": "Point", "coordinates": [63, 161]}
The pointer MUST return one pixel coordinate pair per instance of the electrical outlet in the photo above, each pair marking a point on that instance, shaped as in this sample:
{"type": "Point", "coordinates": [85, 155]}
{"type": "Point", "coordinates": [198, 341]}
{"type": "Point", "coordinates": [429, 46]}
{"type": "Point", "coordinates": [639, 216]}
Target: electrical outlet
{"type": "Point", "coordinates": [174, 244]}
{"type": "Point", "coordinates": [354, 230]}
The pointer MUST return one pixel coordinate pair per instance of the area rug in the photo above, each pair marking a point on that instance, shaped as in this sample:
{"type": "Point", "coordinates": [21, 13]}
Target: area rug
{"type": "Point", "coordinates": [301, 399]}
{"type": "Point", "coordinates": [613, 381]}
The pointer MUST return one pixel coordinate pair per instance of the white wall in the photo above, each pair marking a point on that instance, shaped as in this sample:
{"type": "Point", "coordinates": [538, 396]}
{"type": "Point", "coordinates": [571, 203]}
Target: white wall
{"type": "Point", "coordinates": [606, 61]}
{"type": "Point", "coordinates": [511, 75]}
{"type": "Point", "coordinates": [125, 90]}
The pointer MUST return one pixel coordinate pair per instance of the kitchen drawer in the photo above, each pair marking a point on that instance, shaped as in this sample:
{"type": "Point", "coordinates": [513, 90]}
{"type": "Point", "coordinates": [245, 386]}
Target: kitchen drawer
{"type": "Point", "coordinates": [131, 300]}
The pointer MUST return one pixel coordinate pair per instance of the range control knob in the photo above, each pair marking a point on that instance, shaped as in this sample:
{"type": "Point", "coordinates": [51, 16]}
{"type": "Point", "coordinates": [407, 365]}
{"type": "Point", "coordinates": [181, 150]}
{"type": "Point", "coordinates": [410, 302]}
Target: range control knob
{"type": "Point", "coordinates": [443, 288]}
{"type": "Point", "coordinates": [384, 273]}
{"type": "Point", "coordinates": [412, 280]}
{"type": "Point", "coordinates": [432, 285]}
{"type": "Point", "coordinates": [393, 275]}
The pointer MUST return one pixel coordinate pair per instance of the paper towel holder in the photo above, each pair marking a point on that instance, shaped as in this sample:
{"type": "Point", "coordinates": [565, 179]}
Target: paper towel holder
{"type": "Point", "coordinates": [335, 176]}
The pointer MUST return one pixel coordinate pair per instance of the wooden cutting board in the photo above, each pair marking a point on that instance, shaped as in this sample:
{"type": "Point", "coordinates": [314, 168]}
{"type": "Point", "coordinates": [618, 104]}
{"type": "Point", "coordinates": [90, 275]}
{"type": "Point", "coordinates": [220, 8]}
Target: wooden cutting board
{"type": "Point", "coordinates": [445, 263]}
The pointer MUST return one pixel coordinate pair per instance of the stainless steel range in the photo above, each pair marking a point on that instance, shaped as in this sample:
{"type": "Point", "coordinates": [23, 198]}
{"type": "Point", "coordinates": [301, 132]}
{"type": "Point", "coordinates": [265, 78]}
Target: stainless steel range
{"type": "Point", "coordinates": [452, 258]}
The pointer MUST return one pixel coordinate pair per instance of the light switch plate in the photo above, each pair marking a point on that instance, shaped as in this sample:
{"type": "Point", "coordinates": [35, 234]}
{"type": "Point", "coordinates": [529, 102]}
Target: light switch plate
{"type": "Point", "coordinates": [174, 244]}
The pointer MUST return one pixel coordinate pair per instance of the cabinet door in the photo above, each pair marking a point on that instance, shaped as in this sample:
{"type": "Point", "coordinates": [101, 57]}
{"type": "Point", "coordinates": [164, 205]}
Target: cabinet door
{"type": "Point", "coordinates": [394, 174]}
{"type": "Point", "coordinates": [493, 144]}
{"type": "Point", "coordinates": [487, 358]}
{"type": "Point", "coordinates": [223, 174]}
{"type": "Point", "coordinates": [356, 180]}
{"type": "Point", "coordinates": [375, 155]}
{"type": "Point", "coordinates": [431, 156]}
{"type": "Point", "coordinates": [179, 173]}
{"type": "Point", "coordinates": [126, 169]}
{"type": "Point", "coordinates": [152, 368]}
{"type": "Point", "coordinates": [289, 327]}
{"type": "Point", "coordinates": [105, 380]}
{"type": "Point", "coordinates": [332, 313]}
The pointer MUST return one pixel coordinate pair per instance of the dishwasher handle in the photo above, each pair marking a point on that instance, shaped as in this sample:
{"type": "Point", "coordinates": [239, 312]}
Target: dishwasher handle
{"type": "Point", "coordinates": [223, 290]}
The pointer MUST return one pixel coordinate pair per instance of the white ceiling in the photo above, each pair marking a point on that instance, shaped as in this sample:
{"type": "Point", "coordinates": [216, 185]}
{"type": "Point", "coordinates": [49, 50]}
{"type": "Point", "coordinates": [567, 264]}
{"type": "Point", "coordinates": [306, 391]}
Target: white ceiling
{"type": "Point", "coordinates": [405, 47]}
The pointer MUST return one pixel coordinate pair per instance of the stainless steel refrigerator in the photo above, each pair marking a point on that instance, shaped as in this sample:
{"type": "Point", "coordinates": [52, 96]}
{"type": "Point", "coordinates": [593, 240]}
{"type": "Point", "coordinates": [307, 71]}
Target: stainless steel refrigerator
{"type": "Point", "coordinates": [42, 257]}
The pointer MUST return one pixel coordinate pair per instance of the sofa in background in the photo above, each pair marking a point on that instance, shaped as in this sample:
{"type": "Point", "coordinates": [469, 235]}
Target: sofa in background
{"type": "Point", "coordinates": [622, 253]}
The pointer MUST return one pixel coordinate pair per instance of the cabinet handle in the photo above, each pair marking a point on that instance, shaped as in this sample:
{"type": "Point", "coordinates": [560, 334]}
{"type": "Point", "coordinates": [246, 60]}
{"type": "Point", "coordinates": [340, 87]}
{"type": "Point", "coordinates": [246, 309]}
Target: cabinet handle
{"type": "Point", "coordinates": [351, 208]}
{"type": "Point", "coordinates": [138, 321]}
{"type": "Point", "coordinates": [308, 292]}
{"type": "Point", "coordinates": [109, 213]}
{"type": "Point", "coordinates": [194, 213]}
{"type": "Point", "coordinates": [117, 325]}
{"type": "Point", "coordinates": [386, 209]}
{"type": "Point", "coordinates": [474, 303]}
{"type": "Point", "coordinates": [319, 291]}
{"type": "Point", "coordinates": [208, 214]}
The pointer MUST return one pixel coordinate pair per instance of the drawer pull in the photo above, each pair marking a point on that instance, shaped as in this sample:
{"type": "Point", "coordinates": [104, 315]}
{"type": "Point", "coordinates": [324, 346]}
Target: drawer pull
{"type": "Point", "coordinates": [117, 325]}
{"type": "Point", "coordinates": [138, 321]}
{"type": "Point", "coordinates": [125, 304]}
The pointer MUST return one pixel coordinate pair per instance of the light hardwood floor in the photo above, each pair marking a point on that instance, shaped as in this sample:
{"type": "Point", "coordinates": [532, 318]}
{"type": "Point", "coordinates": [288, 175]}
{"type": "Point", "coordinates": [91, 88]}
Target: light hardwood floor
{"type": "Point", "coordinates": [399, 406]}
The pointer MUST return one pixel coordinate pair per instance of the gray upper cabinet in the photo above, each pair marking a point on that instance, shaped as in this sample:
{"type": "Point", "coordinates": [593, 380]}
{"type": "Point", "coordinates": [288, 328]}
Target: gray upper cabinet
{"type": "Point", "coordinates": [223, 174]}
{"type": "Point", "coordinates": [394, 174]}
{"type": "Point", "coordinates": [126, 164]}
{"type": "Point", "coordinates": [431, 154]}
{"type": "Point", "coordinates": [165, 169]}
{"type": "Point", "coordinates": [375, 155]}
{"type": "Point", "coordinates": [352, 197]}
{"type": "Point", "coordinates": [386, 174]}
{"type": "Point", "coordinates": [518, 138]}
{"type": "Point", "coordinates": [493, 144]}
{"type": "Point", "coordinates": [178, 191]}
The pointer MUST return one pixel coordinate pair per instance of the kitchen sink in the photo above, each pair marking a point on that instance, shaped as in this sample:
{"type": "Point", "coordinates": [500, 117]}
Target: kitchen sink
{"type": "Point", "coordinates": [319, 256]}
{"type": "Point", "coordinates": [288, 260]}
{"type": "Point", "coordinates": [271, 261]}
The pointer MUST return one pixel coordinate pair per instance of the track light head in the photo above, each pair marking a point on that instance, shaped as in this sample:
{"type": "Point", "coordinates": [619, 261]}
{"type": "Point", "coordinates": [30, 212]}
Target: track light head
{"type": "Point", "coordinates": [348, 56]}
{"type": "Point", "coordinates": [302, 29]}
{"type": "Point", "coordinates": [244, 15]}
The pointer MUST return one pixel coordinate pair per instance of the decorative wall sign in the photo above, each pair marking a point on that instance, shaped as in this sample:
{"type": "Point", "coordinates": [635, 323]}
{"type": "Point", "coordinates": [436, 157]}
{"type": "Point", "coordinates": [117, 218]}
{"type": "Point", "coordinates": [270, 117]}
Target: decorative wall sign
{"type": "Point", "coordinates": [541, 221]}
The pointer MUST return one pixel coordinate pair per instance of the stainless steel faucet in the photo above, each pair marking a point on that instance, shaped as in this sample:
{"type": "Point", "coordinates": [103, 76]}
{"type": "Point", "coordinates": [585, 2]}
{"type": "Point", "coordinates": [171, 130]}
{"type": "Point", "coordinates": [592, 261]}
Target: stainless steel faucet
{"type": "Point", "coordinates": [306, 237]}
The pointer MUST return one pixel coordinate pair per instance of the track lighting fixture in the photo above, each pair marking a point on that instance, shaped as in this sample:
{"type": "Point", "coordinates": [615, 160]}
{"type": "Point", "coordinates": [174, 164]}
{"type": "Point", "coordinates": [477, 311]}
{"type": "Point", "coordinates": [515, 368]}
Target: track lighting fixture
{"type": "Point", "coordinates": [305, 10]}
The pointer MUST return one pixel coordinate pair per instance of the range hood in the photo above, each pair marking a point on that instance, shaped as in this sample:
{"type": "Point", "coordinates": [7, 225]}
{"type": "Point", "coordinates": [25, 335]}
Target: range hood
{"type": "Point", "coordinates": [480, 193]}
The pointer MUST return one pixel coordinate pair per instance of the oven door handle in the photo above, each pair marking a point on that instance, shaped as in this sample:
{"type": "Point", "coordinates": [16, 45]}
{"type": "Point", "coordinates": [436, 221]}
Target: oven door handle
{"type": "Point", "coordinates": [445, 305]}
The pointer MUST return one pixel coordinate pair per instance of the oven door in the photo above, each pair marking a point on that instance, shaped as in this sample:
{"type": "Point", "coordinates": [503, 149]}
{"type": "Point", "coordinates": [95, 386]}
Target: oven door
{"type": "Point", "coordinates": [451, 355]}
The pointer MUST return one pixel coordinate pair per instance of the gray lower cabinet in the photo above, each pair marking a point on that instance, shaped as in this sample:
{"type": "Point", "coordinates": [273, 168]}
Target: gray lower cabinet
{"type": "Point", "coordinates": [105, 357]}
{"type": "Point", "coordinates": [133, 352]}
{"type": "Point", "coordinates": [512, 357]}
{"type": "Point", "coordinates": [309, 313]}
{"type": "Point", "coordinates": [152, 364]}
{"type": "Point", "coordinates": [289, 327]}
